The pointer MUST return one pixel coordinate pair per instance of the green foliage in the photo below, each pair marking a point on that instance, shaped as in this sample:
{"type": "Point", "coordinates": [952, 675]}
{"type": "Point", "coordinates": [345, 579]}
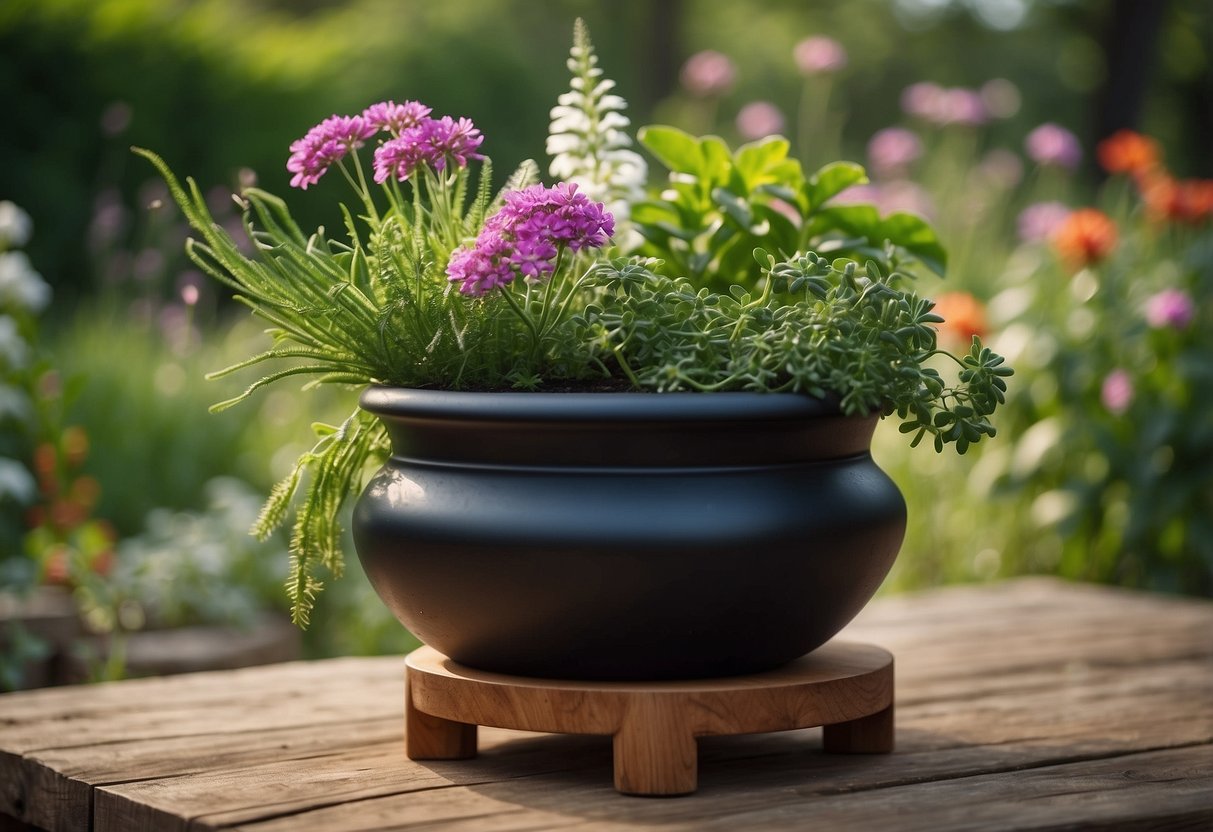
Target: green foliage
{"type": "Point", "coordinates": [822, 328]}
{"type": "Point", "coordinates": [719, 205]}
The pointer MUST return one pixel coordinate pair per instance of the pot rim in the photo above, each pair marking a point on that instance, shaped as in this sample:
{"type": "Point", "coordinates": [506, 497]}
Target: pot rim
{"type": "Point", "coordinates": [613, 406]}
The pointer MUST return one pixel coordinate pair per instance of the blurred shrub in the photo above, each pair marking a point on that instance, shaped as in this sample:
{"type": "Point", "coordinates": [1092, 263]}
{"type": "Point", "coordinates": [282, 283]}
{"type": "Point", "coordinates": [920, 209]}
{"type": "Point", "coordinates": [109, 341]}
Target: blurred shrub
{"type": "Point", "coordinates": [1103, 469]}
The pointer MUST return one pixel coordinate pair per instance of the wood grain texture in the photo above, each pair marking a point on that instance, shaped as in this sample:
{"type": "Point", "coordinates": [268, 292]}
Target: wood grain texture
{"type": "Point", "coordinates": [1030, 704]}
{"type": "Point", "coordinates": [655, 724]}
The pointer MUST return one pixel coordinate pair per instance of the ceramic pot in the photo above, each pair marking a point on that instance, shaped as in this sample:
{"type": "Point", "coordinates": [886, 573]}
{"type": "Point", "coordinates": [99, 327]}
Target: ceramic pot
{"type": "Point", "coordinates": [624, 536]}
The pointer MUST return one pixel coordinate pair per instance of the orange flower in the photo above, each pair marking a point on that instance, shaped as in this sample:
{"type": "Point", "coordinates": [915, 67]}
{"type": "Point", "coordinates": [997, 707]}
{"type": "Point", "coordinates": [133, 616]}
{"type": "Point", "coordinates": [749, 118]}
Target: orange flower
{"type": "Point", "coordinates": [1126, 151]}
{"type": "Point", "coordinates": [1087, 236]}
{"type": "Point", "coordinates": [963, 317]}
{"type": "Point", "coordinates": [1166, 198]}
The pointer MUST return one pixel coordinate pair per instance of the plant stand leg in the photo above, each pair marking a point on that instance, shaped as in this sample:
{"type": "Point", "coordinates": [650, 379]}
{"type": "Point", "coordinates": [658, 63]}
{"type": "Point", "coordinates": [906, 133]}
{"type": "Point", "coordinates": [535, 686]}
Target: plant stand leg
{"type": "Point", "coordinates": [655, 755]}
{"type": "Point", "coordinates": [867, 735]}
{"type": "Point", "coordinates": [429, 737]}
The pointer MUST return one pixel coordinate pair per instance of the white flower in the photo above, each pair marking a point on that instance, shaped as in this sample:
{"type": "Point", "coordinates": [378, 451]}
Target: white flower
{"type": "Point", "coordinates": [15, 404]}
{"type": "Point", "coordinates": [587, 142]}
{"type": "Point", "coordinates": [15, 225]}
{"type": "Point", "coordinates": [20, 286]}
{"type": "Point", "coordinates": [16, 482]}
{"type": "Point", "coordinates": [13, 349]}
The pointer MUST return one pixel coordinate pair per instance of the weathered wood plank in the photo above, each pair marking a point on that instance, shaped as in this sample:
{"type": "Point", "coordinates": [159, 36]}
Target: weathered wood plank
{"type": "Point", "coordinates": [1171, 786]}
{"type": "Point", "coordinates": [1109, 713]}
{"type": "Point", "coordinates": [1029, 674]}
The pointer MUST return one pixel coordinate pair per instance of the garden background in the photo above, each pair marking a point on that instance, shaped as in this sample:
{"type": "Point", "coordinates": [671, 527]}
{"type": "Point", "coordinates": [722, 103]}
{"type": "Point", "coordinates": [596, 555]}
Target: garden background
{"type": "Point", "coordinates": [985, 116]}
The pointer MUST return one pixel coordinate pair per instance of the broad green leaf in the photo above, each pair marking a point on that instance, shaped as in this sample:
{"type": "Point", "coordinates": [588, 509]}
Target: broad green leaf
{"type": "Point", "coordinates": [916, 236]}
{"type": "Point", "coordinates": [734, 206]}
{"type": "Point", "coordinates": [780, 230]}
{"type": "Point", "coordinates": [832, 180]}
{"type": "Point", "coordinates": [852, 220]}
{"type": "Point", "coordinates": [756, 160]}
{"type": "Point", "coordinates": [677, 150]}
{"type": "Point", "coordinates": [653, 212]}
{"type": "Point", "coordinates": [717, 160]}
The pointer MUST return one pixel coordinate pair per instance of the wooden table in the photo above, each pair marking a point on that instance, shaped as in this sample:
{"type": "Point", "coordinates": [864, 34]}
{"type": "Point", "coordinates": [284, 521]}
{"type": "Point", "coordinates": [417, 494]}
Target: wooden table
{"type": "Point", "coordinates": [1030, 704]}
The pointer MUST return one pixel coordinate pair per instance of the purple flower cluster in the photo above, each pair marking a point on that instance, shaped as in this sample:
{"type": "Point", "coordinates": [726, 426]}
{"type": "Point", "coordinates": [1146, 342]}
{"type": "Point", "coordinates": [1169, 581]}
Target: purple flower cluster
{"type": "Point", "coordinates": [759, 119]}
{"type": "Point", "coordinates": [892, 150]}
{"type": "Point", "coordinates": [1170, 308]}
{"type": "Point", "coordinates": [325, 144]}
{"type": "Point", "coordinates": [1040, 220]}
{"type": "Point", "coordinates": [396, 118]}
{"type": "Point", "coordinates": [708, 74]}
{"type": "Point", "coordinates": [818, 55]}
{"type": "Point", "coordinates": [1117, 391]}
{"type": "Point", "coordinates": [417, 139]}
{"type": "Point", "coordinates": [526, 235]}
{"type": "Point", "coordinates": [436, 142]}
{"type": "Point", "coordinates": [1053, 145]}
{"type": "Point", "coordinates": [940, 105]}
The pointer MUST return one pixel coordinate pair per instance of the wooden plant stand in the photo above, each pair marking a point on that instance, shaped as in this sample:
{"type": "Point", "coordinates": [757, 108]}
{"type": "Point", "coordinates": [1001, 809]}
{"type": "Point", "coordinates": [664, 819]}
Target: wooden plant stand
{"type": "Point", "coordinates": [846, 687]}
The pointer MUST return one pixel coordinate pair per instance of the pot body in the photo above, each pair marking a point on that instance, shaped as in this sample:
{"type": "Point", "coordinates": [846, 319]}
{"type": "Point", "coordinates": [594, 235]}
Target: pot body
{"type": "Point", "coordinates": [621, 536]}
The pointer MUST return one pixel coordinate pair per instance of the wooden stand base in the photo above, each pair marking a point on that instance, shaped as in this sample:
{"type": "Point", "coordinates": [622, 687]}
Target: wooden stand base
{"type": "Point", "coordinates": [846, 687]}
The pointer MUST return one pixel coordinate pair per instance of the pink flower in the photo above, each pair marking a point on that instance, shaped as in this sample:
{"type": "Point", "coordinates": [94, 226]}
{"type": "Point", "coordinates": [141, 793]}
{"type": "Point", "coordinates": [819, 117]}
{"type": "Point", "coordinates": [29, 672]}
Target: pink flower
{"type": "Point", "coordinates": [938, 105]}
{"type": "Point", "coordinates": [396, 118]}
{"type": "Point", "coordinates": [1053, 145]}
{"type": "Point", "coordinates": [1170, 308]}
{"type": "Point", "coordinates": [525, 237]}
{"type": "Point", "coordinates": [964, 106]}
{"type": "Point", "coordinates": [451, 141]}
{"type": "Point", "coordinates": [759, 119]}
{"type": "Point", "coordinates": [398, 158]}
{"type": "Point", "coordinates": [892, 150]}
{"type": "Point", "coordinates": [1040, 221]}
{"type": "Point", "coordinates": [819, 55]}
{"type": "Point", "coordinates": [1001, 98]}
{"type": "Point", "coordinates": [922, 100]}
{"type": "Point", "coordinates": [708, 73]}
{"type": "Point", "coordinates": [433, 142]}
{"type": "Point", "coordinates": [1117, 392]}
{"type": "Point", "coordinates": [325, 144]}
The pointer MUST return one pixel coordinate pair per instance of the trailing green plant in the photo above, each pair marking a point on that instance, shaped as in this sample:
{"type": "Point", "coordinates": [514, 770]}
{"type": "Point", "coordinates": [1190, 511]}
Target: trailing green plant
{"type": "Point", "coordinates": [826, 329]}
{"type": "Point", "coordinates": [437, 283]}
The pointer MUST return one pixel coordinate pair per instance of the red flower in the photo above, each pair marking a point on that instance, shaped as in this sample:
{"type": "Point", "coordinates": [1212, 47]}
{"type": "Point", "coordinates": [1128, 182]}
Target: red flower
{"type": "Point", "coordinates": [1188, 200]}
{"type": "Point", "coordinates": [1087, 236]}
{"type": "Point", "coordinates": [1128, 152]}
{"type": "Point", "coordinates": [963, 317]}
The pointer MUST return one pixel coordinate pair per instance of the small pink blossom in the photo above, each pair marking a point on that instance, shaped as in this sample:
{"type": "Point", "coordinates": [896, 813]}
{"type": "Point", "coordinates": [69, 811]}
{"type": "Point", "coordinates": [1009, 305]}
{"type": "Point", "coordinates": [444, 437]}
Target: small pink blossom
{"type": "Point", "coordinates": [433, 142]}
{"type": "Point", "coordinates": [1053, 145]}
{"type": "Point", "coordinates": [1038, 222]}
{"type": "Point", "coordinates": [892, 150]}
{"type": "Point", "coordinates": [1001, 97]}
{"type": "Point", "coordinates": [1171, 308]}
{"type": "Point", "coordinates": [396, 118]}
{"type": "Point", "coordinates": [938, 105]}
{"type": "Point", "coordinates": [759, 119]}
{"type": "Point", "coordinates": [819, 55]}
{"type": "Point", "coordinates": [1116, 392]}
{"type": "Point", "coordinates": [922, 100]}
{"type": "Point", "coordinates": [525, 237]}
{"type": "Point", "coordinates": [325, 144]}
{"type": "Point", "coordinates": [708, 73]}
{"type": "Point", "coordinates": [964, 106]}
{"type": "Point", "coordinates": [451, 141]}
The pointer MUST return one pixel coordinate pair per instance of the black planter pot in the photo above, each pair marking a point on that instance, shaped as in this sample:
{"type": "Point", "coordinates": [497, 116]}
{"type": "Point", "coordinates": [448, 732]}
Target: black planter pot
{"type": "Point", "coordinates": [624, 535]}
